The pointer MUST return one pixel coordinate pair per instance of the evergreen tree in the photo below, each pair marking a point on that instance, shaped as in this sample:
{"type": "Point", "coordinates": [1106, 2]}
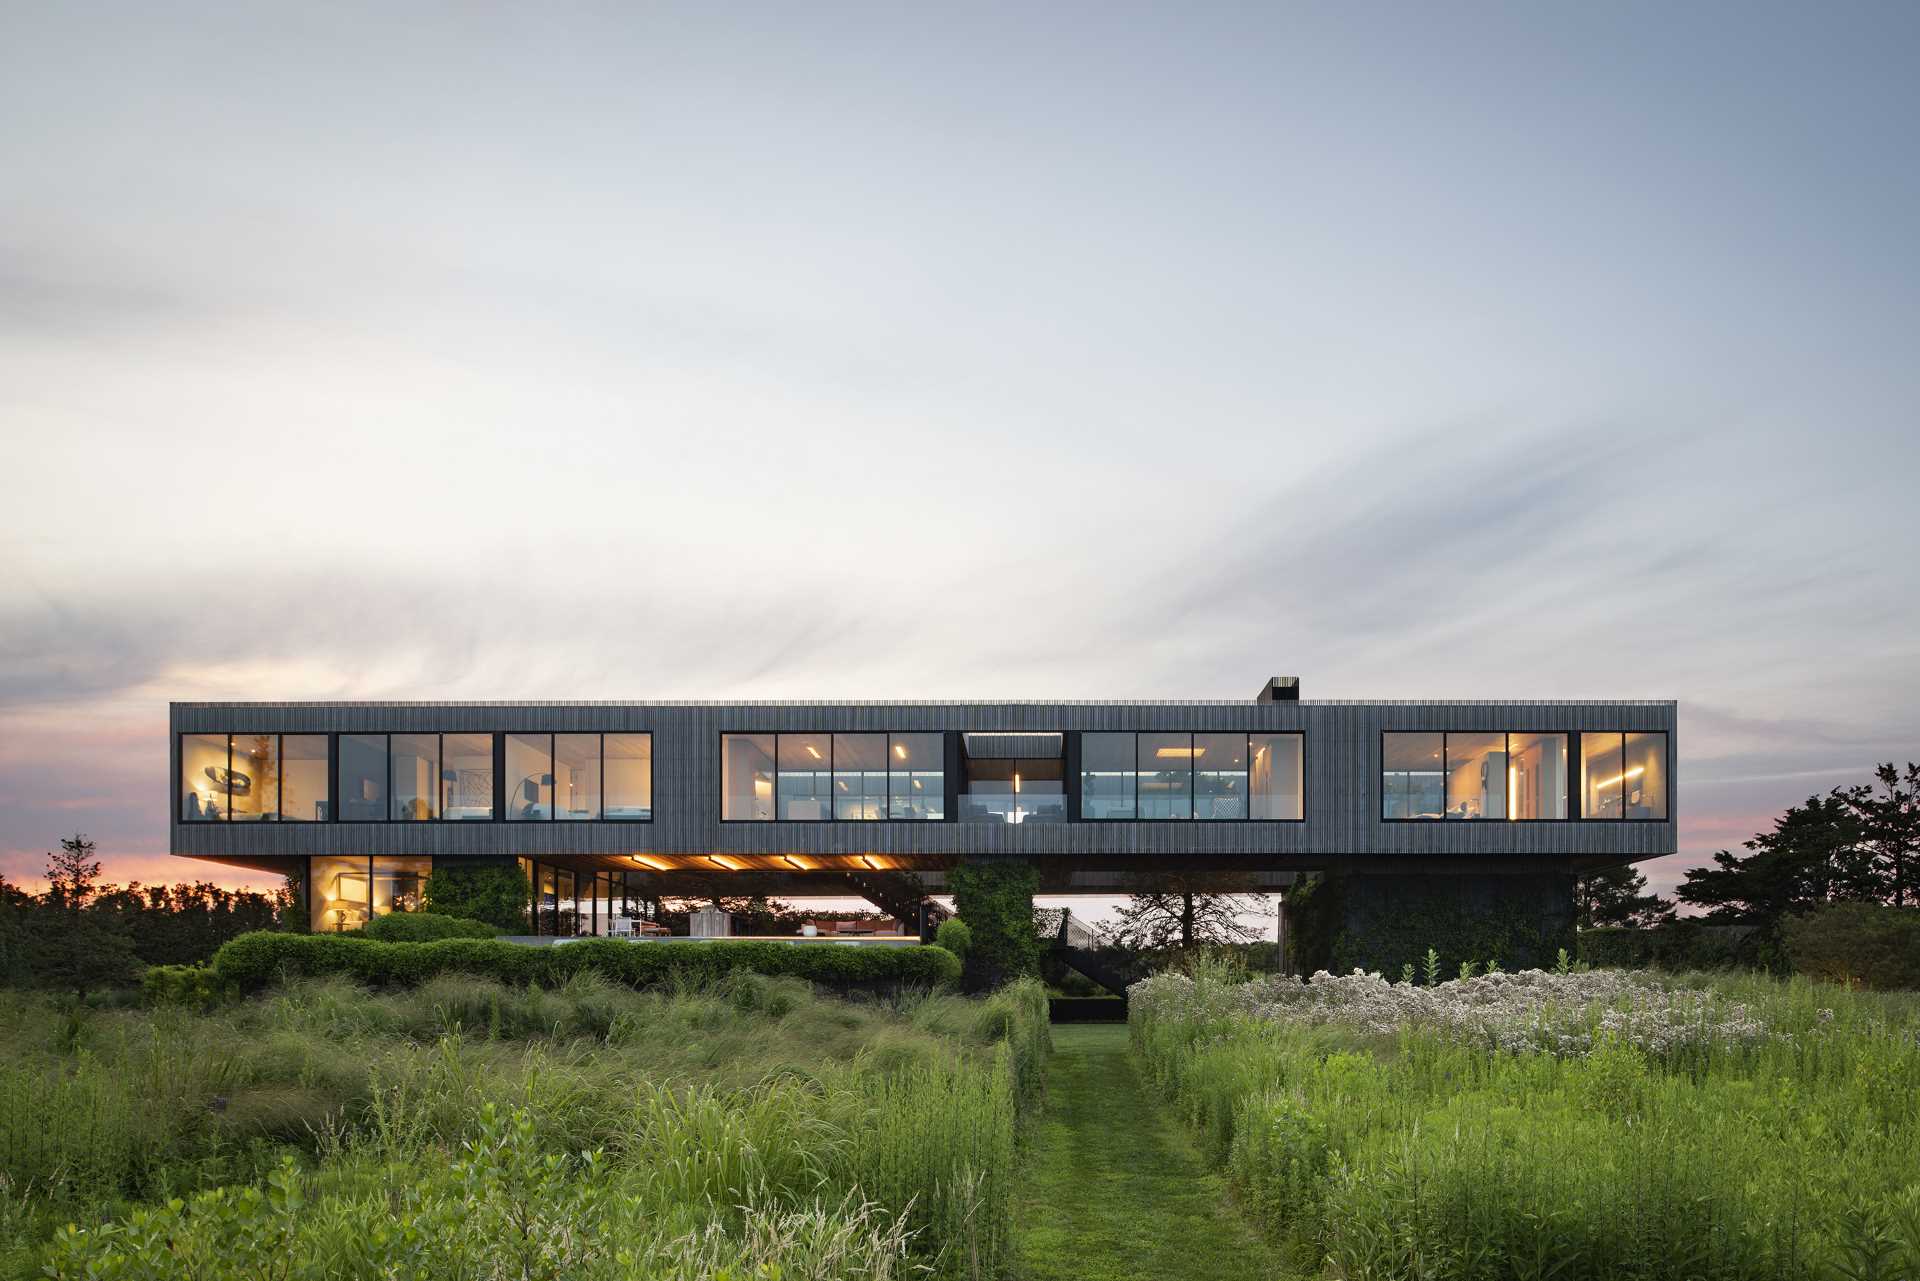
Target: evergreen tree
{"type": "Point", "coordinates": [76, 949]}
{"type": "Point", "coordinates": [1618, 896]}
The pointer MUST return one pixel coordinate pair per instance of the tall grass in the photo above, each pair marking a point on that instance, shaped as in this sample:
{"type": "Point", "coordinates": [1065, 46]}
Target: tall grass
{"type": "Point", "coordinates": [735, 1123]}
{"type": "Point", "coordinates": [1420, 1155]}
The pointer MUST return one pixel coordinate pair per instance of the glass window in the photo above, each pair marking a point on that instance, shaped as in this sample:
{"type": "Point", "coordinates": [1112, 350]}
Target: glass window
{"type": "Point", "coordinates": [466, 777]}
{"type": "Point", "coordinates": [529, 777]}
{"type": "Point", "coordinates": [546, 901]}
{"type": "Point", "coordinates": [416, 775]}
{"type": "Point", "coordinates": [629, 776]}
{"type": "Point", "coordinates": [1219, 776]}
{"type": "Point", "coordinates": [254, 791]}
{"type": "Point", "coordinates": [1476, 776]}
{"type": "Point", "coordinates": [1644, 778]}
{"type": "Point", "coordinates": [339, 894]}
{"type": "Point", "coordinates": [203, 777]}
{"type": "Point", "coordinates": [746, 777]}
{"type": "Point", "coordinates": [1536, 776]}
{"type": "Point", "coordinates": [917, 768]}
{"type": "Point", "coordinates": [1602, 772]}
{"type": "Point", "coordinates": [1411, 775]}
{"type": "Point", "coordinates": [303, 778]}
{"type": "Point", "coordinates": [1165, 770]}
{"type": "Point", "coordinates": [860, 777]}
{"type": "Point", "coordinates": [567, 920]}
{"type": "Point", "coordinates": [806, 778]}
{"type": "Point", "coordinates": [400, 884]}
{"type": "Point", "coordinates": [576, 776]}
{"type": "Point", "coordinates": [1106, 776]}
{"type": "Point", "coordinates": [1276, 784]}
{"type": "Point", "coordinates": [363, 778]}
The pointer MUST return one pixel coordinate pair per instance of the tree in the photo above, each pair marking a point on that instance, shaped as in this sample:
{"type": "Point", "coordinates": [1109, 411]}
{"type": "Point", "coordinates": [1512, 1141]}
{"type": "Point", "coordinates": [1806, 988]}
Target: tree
{"type": "Point", "coordinates": [995, 899]}
{"type": "Point", "coordinates": [1618, 896]}
{"type": "Point", "coordinates": [75, 948]}
{"type": "Point", "coordinates": [1889, 821]}
{"type": "Point", "coordinates": [1186, 909]}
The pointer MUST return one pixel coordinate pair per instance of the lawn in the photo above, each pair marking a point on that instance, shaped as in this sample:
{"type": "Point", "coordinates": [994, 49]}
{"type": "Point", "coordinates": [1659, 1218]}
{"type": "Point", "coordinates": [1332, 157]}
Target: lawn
{"type": "Point", "coordinates": [1115, 1189]}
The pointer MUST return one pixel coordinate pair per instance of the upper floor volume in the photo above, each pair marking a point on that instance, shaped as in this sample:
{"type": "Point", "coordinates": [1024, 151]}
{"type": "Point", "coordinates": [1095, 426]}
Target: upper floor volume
{"type": "Point", "coordinates": [1272, 776]}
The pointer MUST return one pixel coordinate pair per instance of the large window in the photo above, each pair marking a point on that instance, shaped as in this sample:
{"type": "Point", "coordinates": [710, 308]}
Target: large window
{"type": "Point", "coordinates": [400, 884]}
{"type": "Point", "coordinates": [416, 776]}
{"type": "Point", "coordinates": [1276, 776]}
{"type": "Point", "coordinates": [466, 777]}
{"type": "Point", "coordinates": [363, 778]}
{"type": "Point", "coordinates": [629, 776]}
{"type": "Point", "coordinates": [249, 777]}
{"type": "Point", "coordinates": [339, 894]}
{"type": "Point", "coordinates": [812, 778]}
{"type": "Point", "coordinates": [916, 777]}
{"type": "Point", "coordinates": [576, 777]}
{"type": "Point", "coordinates": [1209, 777]}
{"type": "Point", "coordinates": [1106, 776]}
{"type": "Point", "coordinates": [1473, 775]}
{"type": "Point", "coordinates": [1624, 776]}
{"type": "Point", "coordinates": [529, 764]}
{"type": "Point", "coordinates": [860, 777]}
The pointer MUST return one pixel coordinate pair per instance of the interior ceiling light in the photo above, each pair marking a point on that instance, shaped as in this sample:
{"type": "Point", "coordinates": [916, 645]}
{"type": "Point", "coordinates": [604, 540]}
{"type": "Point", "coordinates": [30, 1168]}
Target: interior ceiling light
{"type": "Point", "coordinates": [868, 860]}
{"type": "Point", "coordinates": [721, 860]}
{"type": "Point", "coordinates": [814, 752]}
{"type": "Point", "coordinates": [900, 750]}
{"type": "Point", "coordinates": [1635, 772]}
{"type": "Point", "coordinates": [794, 863]}
{"type": "Point", "coordinates": [1187, 752]}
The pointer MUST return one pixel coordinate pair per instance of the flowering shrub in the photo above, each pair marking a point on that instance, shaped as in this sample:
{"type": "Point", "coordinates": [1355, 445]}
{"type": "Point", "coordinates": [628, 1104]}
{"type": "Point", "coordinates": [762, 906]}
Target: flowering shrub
{"type": "Point", "coordinates": [1564, 1014]}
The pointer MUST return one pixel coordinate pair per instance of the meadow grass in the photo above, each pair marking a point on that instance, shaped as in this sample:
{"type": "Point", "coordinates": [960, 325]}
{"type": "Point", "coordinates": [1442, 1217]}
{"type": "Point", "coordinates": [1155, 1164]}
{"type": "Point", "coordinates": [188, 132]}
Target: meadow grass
{"type": "Point", "coordinates": [324, 1130]}
{"type": "Point", "coordinates": [1424, 1152]}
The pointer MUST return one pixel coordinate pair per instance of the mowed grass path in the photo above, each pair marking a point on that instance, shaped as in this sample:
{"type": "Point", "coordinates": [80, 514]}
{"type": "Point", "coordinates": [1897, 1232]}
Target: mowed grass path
{"type": "Point", "coordinates": [1114, 1189]}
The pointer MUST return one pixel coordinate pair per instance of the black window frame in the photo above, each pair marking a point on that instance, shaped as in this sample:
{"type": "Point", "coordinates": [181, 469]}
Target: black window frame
{"type": "Point", "coordinates": [1380, 771]}
{"type": "Point", "coordinates": [1193, 794]}
{"type": "Point", "coordinates": [832, 816]}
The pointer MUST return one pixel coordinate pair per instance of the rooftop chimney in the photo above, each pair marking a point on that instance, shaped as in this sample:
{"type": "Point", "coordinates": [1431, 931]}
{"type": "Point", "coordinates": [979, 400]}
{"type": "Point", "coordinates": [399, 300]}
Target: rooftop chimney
{"type": "Point", "coordinates": [1280, 689]}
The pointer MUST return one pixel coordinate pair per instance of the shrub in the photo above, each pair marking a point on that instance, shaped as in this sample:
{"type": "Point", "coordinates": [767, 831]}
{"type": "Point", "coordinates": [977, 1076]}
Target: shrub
{"type": "Point", "coordinates": [996, 901]}
{"type": "Point", "coordinates": [254, 960]}
{"type": "Point", "coordinates": [492, 892]}
{"type": "Point", "coordinates": [1677, 946]}
{"type": "Point", "coordinates": [954, 935]}
{"type": "Point", "coordinates": [425, 927]}
{"type": "Point", "coordinates": [1859, 944]}
{"type": "Point", "coordinates": [194, 986]}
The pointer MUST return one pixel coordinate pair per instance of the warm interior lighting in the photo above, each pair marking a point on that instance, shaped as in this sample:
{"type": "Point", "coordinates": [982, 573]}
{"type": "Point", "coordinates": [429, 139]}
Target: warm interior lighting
{"type": "Point", "coordinates": [900, 750]}
{"type": "Point", "coordinates": [1617, 779]}
{"type": "Point", "coordinates": [814, 752]}
{"type": "Point", "coordinates": [721, 860]}
{"type": "Point", "coordinates": [653, 863]}
{"type": "Point", "coordinates": [1187, 752]}
{"type": "Point", "coordinates": [871, 865]}
{"type": "Point", "coordinates": [1513, 791]}
{"type": "Point", "coordinates": [840, 783]}
{"type": "Point", "coordinates": [794, 863]}
{"type": "Point", "coordinates": [916, 783]}
{"type": "Point", "coordinates": [1016, 782]}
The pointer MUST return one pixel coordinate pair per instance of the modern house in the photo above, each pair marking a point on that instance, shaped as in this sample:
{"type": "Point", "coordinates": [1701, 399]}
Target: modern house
{"type": "Point", "coordinates": [606, 805]}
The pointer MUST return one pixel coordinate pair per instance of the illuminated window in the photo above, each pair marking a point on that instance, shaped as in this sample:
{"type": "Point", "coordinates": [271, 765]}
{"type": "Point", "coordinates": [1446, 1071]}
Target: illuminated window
{"type": "Point", "coordinates": [529, 762]}
{"type": "Point", "coordinates": [339, 894]}
{"type": "Point", "coordinates": [255, 767]}
{"type": "Point", "coordinates": [1412, 776]}
{"type": "Point", "coordinates": [1536, 776]}
{"type": "Point", "coordinates": [303, 778]}
{"type": "Point", "coordinates": [1276, 783]}
{"type": "Point", "coordinates": [1219, 776]}
{"type": "Point", "coordinates": [466, 777]}
{"type": "Point", "coordinates": [803, 790]}
{"type": "Point", "coordinates": [1623, 776]}
{"type": "Point", "coordinates": [1645, 781]}
{"type": "Point", "coordinates": [204, 778]}
{"type": "Point", "coordinates": [916, 777]}
{"type": "Point", "coordinates": [1602, 772]}
{"type": "Point", "coordinates": [400, 884]}
{"type": "Point", "coordinates": [746, 777]}
{"type": "Point", "coordinates": [629, 776]}
{"type": "Point", "coordinates": [576, 776]}
{"type": "Point", "coordinates": [1476, 776]}
{"type": "Point", "coordinates": [415, 759]}
{"type": "Point", "coordinates": [363, 778]}
{"type": "Point", "coordinates": [860, 777]}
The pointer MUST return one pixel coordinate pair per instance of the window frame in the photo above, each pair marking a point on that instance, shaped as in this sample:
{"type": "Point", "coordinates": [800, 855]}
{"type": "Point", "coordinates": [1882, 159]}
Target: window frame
{"type": "Point", "coordinates": [496, 739]}
{"type": "Point", "coordinates": [1193, 795]}
{"type": "Point", "coordinates": [1666, 757]}
{"type": "Point", "coordinates": [832, 814]}
{"type": "Point", "coordinates": [1379, 776]}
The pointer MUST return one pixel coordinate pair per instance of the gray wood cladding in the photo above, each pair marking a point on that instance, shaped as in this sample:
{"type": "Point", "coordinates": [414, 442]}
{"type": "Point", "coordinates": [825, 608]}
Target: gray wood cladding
{"type": "Point", "coordinates": [1342, 780]}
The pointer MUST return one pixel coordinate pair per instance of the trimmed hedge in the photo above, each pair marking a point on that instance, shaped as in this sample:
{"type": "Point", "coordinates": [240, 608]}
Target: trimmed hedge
{"type": "Point", "coordinates": [194, 986]}
{"type": "Point", "coordinates": [954, 935]}
{"type": "Point", "coordinates": [1858, 944]}
{"type": "Point", "coordinates": [425, 927]}
{"type": "Point", "coordinates": [254, 960]}
{"type": "Point", "coordinates": [1677, 946]}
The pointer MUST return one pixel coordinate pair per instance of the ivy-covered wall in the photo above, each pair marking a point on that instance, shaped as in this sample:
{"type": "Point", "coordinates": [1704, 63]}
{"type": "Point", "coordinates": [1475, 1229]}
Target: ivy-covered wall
{"type": "Point", "coordinates": [1382, 922]}
{"type": "Point", "coordinates": [995, 899]}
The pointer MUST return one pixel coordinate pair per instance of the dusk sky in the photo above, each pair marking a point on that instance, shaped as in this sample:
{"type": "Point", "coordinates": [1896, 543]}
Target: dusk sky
{"type": "Point", "coordinates": [844, 351]}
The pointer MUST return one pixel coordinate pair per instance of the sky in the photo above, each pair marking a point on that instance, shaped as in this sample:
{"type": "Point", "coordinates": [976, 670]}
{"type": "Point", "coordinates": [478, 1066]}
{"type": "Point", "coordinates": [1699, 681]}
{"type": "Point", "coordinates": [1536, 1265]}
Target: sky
{"type": "Point", "coordinates": [971, 351]}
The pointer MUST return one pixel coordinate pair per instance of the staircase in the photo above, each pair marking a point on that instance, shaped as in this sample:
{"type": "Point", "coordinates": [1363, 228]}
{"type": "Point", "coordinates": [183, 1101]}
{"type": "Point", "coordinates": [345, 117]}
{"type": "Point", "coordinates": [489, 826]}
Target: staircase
{"type": "Point", "coordinates": [899, 894]}
{"type": "Point", "coordinates": [1076, 944]}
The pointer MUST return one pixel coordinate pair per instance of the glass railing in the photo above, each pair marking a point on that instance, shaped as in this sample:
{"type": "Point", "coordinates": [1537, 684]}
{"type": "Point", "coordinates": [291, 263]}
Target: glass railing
{"type": "Point", "coordinates": [1027, 807]}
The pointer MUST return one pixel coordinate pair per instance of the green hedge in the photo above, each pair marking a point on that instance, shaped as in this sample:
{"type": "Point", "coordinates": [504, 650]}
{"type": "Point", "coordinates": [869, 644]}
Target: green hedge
{"type": "Point", "coordinates": [954, 935]}
{"type": "Point", "coordinates": [1677, 946]}
{"type": "Point", "coordinates": [1859, 944]}
{"type": "Point", "coordinates": [995, 899]}
{"type": "Point", "coordinates": [194, 986]}
{"type": "Point", "coordinates": [425, 927]}
{"type": "Point", "coordinates": [252, 961]}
